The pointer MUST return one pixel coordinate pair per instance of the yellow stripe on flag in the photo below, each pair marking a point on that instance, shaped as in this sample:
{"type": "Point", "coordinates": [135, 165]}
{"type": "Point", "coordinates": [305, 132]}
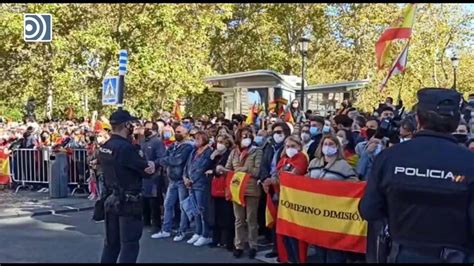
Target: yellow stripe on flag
{"type": "Point", "coordinates": [4, 169]}
{"type": "Point", "coordinates": [331, 213]}
{"type": "Point", "coordinates": [237, 187]}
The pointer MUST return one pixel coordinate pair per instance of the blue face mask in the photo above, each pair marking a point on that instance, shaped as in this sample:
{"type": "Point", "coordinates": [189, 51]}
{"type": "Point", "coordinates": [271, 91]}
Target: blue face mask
{"type": "Point", "coordinates": [188, 126]}
{"type": "Point", "coordinates": [313, 131]}
{"type": "Point", "coordinates": [326, 129]}
{"type": "Point", "coordinates": [259, 140]}
{"type": "Point", "coordinates": [167, 135]}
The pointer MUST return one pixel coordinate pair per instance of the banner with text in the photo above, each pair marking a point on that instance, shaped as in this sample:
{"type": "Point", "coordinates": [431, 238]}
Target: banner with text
{"type": "Point", "coordinates": [323, 213]}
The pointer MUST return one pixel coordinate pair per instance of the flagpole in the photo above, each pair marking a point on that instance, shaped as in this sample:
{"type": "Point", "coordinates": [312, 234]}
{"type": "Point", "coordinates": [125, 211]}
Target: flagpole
{"type": "Point", "coordinates": [403, 73]}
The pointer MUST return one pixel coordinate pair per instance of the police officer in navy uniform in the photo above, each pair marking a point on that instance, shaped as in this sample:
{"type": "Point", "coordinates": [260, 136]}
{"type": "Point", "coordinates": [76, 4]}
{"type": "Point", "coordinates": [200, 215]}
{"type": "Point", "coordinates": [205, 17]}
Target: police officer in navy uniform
{"type": "Point", "coordinates": [424, 188]}
{"type": "Point", "coordinates": [124, 167]}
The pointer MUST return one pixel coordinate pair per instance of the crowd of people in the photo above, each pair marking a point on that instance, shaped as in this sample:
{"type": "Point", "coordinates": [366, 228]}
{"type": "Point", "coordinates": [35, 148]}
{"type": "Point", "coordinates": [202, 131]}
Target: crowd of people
{"type": "Point", "coordinates": [193, 155]}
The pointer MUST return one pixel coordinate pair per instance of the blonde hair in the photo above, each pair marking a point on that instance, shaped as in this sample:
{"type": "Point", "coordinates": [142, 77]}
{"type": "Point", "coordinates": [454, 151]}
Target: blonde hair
{"type": "Point", "coordinates": [319, 151]}
{"type": "Point", "coordinates": [295, 139]}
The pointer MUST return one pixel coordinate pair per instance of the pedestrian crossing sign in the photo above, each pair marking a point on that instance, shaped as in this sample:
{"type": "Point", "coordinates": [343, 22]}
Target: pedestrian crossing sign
{"type": "Point", "coordinates": [110, 93]}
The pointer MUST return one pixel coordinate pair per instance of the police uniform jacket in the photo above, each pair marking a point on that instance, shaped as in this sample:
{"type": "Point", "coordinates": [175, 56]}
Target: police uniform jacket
{"type": "Point", "coordinates": [424, 187]}
{"type": "Point", "coordinates": [122, 165]}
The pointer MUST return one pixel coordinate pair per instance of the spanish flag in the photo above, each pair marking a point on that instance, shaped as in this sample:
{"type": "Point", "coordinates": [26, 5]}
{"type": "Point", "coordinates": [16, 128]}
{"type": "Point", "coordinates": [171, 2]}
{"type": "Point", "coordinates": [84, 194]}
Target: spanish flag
{"type": "Point", "coordinates": [400, 29]}
{"type": "Point", "coordinates": [289, 117]}
{"type": "Point", "coordinates": [351, 158]}
{"type": "Point", "coordinates": [237, 184]}
{"type": "Point", "coordinates": [270, 212]}
{"type": "Point", "coordinates": [251, 115]}
{"type": "Point", "coordinates": [4, 169]}
{"type": "Point", "coordinates": [177, 110]}
{"type": "Point", "coordinates": [322, 212]}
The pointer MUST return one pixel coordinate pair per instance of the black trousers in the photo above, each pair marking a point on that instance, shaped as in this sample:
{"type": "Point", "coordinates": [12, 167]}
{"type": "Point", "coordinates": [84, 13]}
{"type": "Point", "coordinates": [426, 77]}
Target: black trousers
{"type": "Point", "coordinates": [223, 231]}
{"type": "Point", "coordinates": [152, 211]}
{"type": "Point", "coordinates": [122, 236]}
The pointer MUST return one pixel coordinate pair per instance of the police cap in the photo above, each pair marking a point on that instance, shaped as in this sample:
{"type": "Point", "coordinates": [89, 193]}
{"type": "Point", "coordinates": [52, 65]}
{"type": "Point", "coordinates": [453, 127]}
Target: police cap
{"type": "Point", "coordinates": [121, 116]}
{"type": "Point", "coordinates": [445, 102]}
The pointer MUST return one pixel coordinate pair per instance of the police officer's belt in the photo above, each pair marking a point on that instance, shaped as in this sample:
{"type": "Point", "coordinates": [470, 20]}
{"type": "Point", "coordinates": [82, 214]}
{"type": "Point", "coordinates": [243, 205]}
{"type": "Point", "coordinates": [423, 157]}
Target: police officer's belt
{"type": "Point", "coordinates": [129, 196]}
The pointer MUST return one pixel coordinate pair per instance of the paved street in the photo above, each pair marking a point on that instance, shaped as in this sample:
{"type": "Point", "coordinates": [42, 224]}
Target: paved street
{"type": "Point", "coordinates": [73, 237]}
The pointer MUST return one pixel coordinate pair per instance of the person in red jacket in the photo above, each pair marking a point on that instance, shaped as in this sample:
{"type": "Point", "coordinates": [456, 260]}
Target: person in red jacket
{"type": "Point", "coordinates": [295, 161]}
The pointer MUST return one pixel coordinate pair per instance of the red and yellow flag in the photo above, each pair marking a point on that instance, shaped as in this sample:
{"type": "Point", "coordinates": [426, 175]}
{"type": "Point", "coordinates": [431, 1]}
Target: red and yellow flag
{"type": "Point", "coordinates": [251, 115]}
{"type": "Point", "coordinates": [270, 212]}
{"type": "Point", "coordinates": [289, 117]}
{"type": "Point", "coordinates": [177, 110]}
{"type": "Point", "coordinates": [4, 169]}
{"type": "Point", "coordinates": [321, 212]}
{"type": "Point", "coordinates": [237, 184]}
{"type": "Point", "coordinates": [400, 29]}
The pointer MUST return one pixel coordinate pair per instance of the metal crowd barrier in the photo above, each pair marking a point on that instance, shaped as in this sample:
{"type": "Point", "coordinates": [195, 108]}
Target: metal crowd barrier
{"type": "Point", "coordinates": [33, 166]}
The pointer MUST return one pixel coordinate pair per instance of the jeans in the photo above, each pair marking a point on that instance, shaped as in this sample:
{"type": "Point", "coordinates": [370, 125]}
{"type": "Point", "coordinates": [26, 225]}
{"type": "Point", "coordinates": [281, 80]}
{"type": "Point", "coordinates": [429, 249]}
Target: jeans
{"type": "Point", "coordinates": [176, 192]}
{"type": "Point", "coordinates": [122, 236]}
{"type": "Point", "coordinates": [201, 223]}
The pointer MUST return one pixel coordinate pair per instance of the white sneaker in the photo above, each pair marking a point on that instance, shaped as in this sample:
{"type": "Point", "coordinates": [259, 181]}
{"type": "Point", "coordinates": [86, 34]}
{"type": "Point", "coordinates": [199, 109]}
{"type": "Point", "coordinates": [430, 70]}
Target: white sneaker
{"type": "Point", "coordinates": [202, 241]}
{"type": "Point", "coordinates": [161, 234]}
{"type": "Point", "coordinates": [178, 237]}
{"type": "Point", "coordinates": [193, 239]}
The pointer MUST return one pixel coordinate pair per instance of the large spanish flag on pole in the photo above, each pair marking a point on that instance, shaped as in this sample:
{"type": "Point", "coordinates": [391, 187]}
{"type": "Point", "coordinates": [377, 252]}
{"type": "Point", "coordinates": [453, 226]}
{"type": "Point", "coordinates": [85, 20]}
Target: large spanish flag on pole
{"type": "Point", "coordinates": [322, 213]}
{"type": "Point", "coordinates": [400, 29]}
{"type": "Point", "coordinates": [398, 67]}
{"type": "Point", "coordinates": [237, 184]}
{"type": "Point", "coordinates": [4, 168]}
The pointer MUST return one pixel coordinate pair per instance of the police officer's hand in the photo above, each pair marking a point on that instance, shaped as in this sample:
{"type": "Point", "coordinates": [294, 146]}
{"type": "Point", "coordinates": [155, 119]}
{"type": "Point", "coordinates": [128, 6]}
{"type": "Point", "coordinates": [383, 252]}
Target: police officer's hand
{"type": "Point", "coordinates": [151, 168]}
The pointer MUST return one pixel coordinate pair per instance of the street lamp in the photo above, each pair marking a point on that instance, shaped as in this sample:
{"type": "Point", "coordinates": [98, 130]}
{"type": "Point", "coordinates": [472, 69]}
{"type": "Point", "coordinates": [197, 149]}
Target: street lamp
{"type": "Point", "coordinates": [304, 43]}
{"type": "Point", "coordinates": [455, 62]}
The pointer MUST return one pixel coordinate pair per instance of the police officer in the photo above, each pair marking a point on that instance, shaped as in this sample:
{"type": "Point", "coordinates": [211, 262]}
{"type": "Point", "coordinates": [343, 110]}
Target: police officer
{"type": "Point", "coordinates": [424, 189]}
{"type": "Point", "coordinates": [124, 167]}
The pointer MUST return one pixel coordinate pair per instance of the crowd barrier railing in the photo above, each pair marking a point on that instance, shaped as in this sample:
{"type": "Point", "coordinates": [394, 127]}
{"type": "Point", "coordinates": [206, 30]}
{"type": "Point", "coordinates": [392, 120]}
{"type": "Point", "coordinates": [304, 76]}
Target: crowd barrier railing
{"type": "Point", "coordinates": [33, 166]}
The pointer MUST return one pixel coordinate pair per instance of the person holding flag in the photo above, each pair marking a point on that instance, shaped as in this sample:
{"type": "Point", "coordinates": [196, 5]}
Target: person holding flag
{"type": "Point", "coordinates": [292, 160]}
{"type": "Point", "coordinates": [294, 114]}
{"type": "Point", "coordinates": [243, 190]}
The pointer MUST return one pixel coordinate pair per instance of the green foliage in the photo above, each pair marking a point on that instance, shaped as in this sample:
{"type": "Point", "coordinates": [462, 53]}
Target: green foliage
{"type": "Point", "coordinates": [172, 47]}
{"type": "Point", "coordinates": [204, 103]}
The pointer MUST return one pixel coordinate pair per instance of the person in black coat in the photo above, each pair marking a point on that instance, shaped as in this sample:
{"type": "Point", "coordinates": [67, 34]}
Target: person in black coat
{"type": "Point", "coordinates": [224, 220]}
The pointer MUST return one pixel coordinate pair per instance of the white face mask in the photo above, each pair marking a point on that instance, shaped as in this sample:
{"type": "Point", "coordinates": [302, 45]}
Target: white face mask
{"type": "Point", "coordinates": [221, 147]}
{"type": "Point", "coordinates": [305, 137]}
{"type": "Point", "coordinates": [329, 150]}
{"type": "Point", "coordinates": [290, 152]}
{"type": "Point", "coordinates": [279, 138]}
{"type": "Point", "coordinates": [246, 142]}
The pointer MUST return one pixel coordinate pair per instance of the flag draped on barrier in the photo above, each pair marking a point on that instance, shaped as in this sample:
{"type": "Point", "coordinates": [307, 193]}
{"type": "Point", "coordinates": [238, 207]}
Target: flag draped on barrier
{"type": "Point", "coordinates": [400, 29]}
{"type": "Point", "coordinates": [322, 213]}
{"type": "Point", "coordinates": [237, 184]}
{"type": "Point", "coordinates": [4, 169]}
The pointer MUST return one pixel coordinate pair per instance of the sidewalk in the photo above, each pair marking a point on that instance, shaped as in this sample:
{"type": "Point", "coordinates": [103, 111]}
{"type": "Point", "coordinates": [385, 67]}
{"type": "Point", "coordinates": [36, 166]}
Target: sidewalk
{"type": "Point", "coordinates": [32, 203]}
